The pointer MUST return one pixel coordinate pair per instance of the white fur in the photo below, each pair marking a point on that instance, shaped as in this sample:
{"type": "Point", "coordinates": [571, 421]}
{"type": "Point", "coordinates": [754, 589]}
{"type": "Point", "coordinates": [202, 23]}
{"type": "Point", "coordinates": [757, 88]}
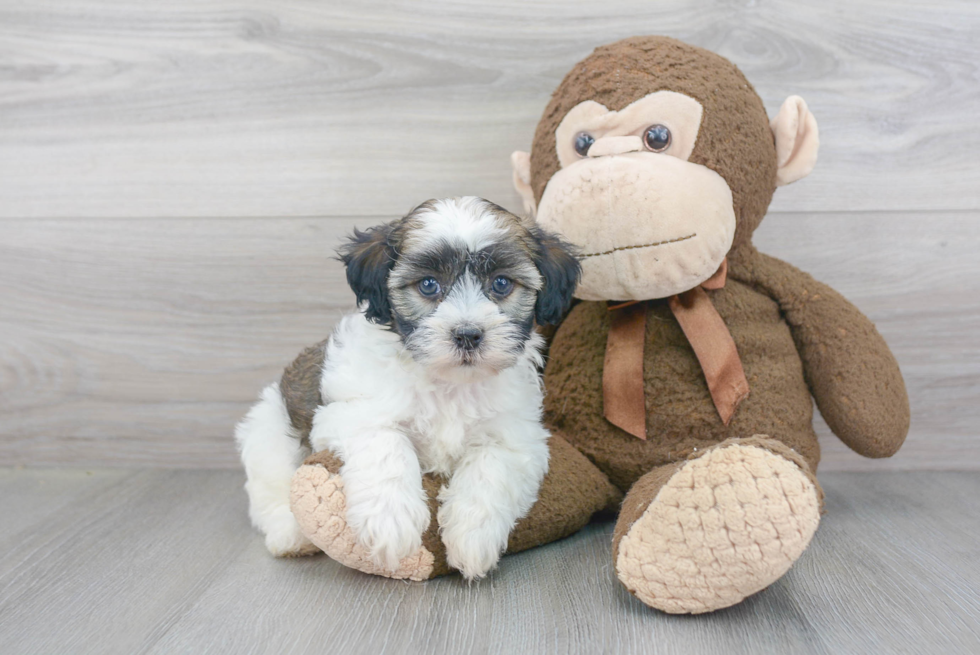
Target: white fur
{"type": "Point", "coordinates": [467, 220]}
{"type": "Point", "coordinates": [271, 454]}
{"type": "Point", "coordinates": [390, 419]}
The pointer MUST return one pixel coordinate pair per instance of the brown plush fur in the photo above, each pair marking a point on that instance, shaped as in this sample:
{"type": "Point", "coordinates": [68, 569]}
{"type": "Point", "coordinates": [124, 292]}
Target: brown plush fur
{"type": "Point", "coordinates": [848, 367]}
{"type": "Point", "coordinates": [681, 416]}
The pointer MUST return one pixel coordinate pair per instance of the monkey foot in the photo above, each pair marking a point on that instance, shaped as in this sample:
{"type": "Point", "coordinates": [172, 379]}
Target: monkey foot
{"type": "Point", "coordinates": [722, 527]}
{"type": "Point", "coordinates": [320, 507]}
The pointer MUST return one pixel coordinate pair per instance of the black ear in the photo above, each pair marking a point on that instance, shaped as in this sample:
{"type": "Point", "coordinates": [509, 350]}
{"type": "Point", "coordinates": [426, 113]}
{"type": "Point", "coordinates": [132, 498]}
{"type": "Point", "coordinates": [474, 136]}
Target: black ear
{"type": "Point", "coordinates": [557, 262]}
{"type": "Point", "coordinates": [369, 257]}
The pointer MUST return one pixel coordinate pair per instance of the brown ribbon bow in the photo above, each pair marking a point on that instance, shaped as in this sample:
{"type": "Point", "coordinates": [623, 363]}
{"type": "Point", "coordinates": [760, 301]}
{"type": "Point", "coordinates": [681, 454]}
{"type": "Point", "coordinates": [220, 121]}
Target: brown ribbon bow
{"type": "Point", "coordinates": [622, 375]}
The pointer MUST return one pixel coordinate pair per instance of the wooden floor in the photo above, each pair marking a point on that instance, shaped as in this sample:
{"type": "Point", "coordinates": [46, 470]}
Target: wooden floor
{"type": "Point", "coordinates": [155, 561]}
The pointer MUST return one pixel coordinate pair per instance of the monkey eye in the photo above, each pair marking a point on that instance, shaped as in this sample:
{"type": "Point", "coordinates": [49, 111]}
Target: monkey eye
{"type": "Point", "coordinates": [429, 287]}
{"type": "Point", "coordinates": [502, 285]}
{"type": "Point", "coordinates": [583, 141]}
{"type": "Point", "coordinates": [656, 138]}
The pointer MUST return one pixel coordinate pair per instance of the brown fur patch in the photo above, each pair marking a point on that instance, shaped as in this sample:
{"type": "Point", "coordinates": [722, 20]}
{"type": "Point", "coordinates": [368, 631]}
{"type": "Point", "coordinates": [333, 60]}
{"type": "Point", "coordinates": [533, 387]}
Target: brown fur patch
{"type": "Point", "coordinates": [300, 388]}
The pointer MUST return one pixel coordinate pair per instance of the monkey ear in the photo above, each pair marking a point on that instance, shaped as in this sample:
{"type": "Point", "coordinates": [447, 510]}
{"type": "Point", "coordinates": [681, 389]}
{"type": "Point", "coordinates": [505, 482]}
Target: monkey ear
{"type": "Point", "coordinates": [369, 257]}
{"type": "Point", "coordinates": [797, 140]}
{"type": "Point", "coordinates": [557, 262]}
{"type": "Point", "coordinates": [520, 161]}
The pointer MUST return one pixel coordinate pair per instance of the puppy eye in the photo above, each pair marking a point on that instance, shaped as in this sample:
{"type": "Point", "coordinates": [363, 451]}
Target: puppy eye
{"type": "Point", "coordinates": [657, 138]}
{"type": "Point", "coordinates": [583, 141]}
{"type": "Point", "coordinates": [429, 287]}
{"type": "Point", "coordinates": [502, 285]}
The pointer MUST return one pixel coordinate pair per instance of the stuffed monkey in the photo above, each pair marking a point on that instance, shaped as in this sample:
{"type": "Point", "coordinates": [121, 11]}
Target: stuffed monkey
{"type": "Point", "coordinates": [679, 390]}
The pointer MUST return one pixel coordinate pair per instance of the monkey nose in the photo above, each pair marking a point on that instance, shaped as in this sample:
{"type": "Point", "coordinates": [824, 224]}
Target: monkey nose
{"type": "Point", "coordinates": [615, 145]}
{"type": "Point", "coordinates": [468, 338]}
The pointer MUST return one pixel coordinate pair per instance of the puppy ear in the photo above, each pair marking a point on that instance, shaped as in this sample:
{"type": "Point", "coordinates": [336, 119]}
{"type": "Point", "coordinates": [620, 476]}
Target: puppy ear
{"type": "Point", "coordinates": [369, 257]}
{"type": "Point", "coordinates": [557, 262]}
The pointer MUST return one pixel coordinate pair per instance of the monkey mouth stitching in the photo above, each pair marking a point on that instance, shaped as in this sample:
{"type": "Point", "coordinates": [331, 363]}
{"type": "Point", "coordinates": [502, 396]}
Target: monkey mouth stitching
{"type": "Point", "coordinates": [644, 245]}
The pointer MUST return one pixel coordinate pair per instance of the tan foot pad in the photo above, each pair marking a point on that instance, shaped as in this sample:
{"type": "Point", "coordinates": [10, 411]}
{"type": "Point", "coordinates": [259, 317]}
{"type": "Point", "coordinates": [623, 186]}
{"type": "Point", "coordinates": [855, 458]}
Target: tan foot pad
{"type": "Point", "coordinates": [320, 507]}
{"type": "Point", "coordinates": [725, 526]}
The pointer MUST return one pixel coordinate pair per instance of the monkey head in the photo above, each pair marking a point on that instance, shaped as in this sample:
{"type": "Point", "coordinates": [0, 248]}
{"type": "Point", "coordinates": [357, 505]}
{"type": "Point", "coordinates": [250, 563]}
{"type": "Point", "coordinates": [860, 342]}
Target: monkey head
{"type": "Point", "coordinates": [656, 159]}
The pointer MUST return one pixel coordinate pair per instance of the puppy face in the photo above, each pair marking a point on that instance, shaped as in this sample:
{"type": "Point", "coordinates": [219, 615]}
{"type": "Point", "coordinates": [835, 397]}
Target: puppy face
{"type": "Point", "coordinates": [462, 281]}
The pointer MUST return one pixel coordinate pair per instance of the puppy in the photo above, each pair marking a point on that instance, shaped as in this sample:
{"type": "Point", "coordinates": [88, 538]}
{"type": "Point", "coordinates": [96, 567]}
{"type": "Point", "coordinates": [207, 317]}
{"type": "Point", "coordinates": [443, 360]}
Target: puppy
{"type": "Point", "coordinates": [438, 372]}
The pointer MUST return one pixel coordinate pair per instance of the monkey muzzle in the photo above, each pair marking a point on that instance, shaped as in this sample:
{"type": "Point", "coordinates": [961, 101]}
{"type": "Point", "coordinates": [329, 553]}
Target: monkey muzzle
{"type": "Point", "coordinates": [648, 225]}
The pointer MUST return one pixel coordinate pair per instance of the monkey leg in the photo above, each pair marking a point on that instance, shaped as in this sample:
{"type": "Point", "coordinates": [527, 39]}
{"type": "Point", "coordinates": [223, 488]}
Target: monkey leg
{"type": "Point", "coordinates": [320, 507]}
{"type": "Point", "coordinates": [703, 534]}
{"type": "Point", "coordinates": [572, 491]}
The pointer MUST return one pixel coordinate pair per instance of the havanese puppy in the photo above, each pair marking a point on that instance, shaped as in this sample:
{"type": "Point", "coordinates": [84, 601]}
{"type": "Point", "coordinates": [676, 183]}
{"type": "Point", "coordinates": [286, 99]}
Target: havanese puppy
{"type": "Point", "coordinates": [438, 372]}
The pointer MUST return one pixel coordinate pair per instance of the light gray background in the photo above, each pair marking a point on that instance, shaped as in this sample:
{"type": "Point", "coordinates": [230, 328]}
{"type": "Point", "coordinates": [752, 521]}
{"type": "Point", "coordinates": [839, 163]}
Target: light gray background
{"type": "Point", "coordinates": [175, 176]}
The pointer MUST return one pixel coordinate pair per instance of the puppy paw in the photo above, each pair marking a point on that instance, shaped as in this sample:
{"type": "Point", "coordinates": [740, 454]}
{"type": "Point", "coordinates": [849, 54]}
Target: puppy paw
{"type": "Point", "coordinates": [320, 505]}
{"type": "Point", "coordinates": [284, 538]}
{"type": "Point", "coordinates": [474, 540]}
{"type": "Point", "coordinates": [473, 554]}
{"type": "Point", "coordinates": [388, 514]}
{"type": "Point", "coordinates": [390, 529]}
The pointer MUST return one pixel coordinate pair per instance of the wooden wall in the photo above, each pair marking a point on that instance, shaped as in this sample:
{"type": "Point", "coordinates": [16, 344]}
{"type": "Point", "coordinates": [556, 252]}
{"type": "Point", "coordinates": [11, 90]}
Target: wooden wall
{"type": "Point", "coordinates": [174, 178]}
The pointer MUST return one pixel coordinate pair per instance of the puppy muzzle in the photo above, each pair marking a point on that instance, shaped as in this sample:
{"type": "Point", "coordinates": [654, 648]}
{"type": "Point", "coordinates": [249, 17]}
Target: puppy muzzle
{"type": "Point", "coordinates": [467, 338]}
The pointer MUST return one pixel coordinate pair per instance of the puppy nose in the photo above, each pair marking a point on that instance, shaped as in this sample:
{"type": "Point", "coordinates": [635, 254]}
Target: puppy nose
{"type": "Point", "coordinates": [468, 338]}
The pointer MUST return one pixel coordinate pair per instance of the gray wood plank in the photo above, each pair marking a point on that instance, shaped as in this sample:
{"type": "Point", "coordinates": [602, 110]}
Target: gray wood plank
{"type": "Point", "coordinates": [163, 331]}
{"type": "Point", "coordinates": [912, 549]}
{"type": "Point", "coordinates": [142, 342]}
{"type": "Point", "coordinates": [110, 571]}
{"type": "Point", "coordinates": [165, 563]}
{"type": "Point", "coordinates": [31, 495]}
{"type": "Point", "coordinates": [217, 108]}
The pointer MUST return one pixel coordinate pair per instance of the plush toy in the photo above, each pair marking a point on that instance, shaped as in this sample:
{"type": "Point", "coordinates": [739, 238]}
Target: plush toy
{"type": "Point", "coordinates": [679, 390]}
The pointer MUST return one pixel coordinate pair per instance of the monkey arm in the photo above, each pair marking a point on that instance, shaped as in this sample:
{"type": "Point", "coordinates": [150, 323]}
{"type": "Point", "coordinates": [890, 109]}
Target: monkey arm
{"type": "Point", "coordinates": [850, 371]}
